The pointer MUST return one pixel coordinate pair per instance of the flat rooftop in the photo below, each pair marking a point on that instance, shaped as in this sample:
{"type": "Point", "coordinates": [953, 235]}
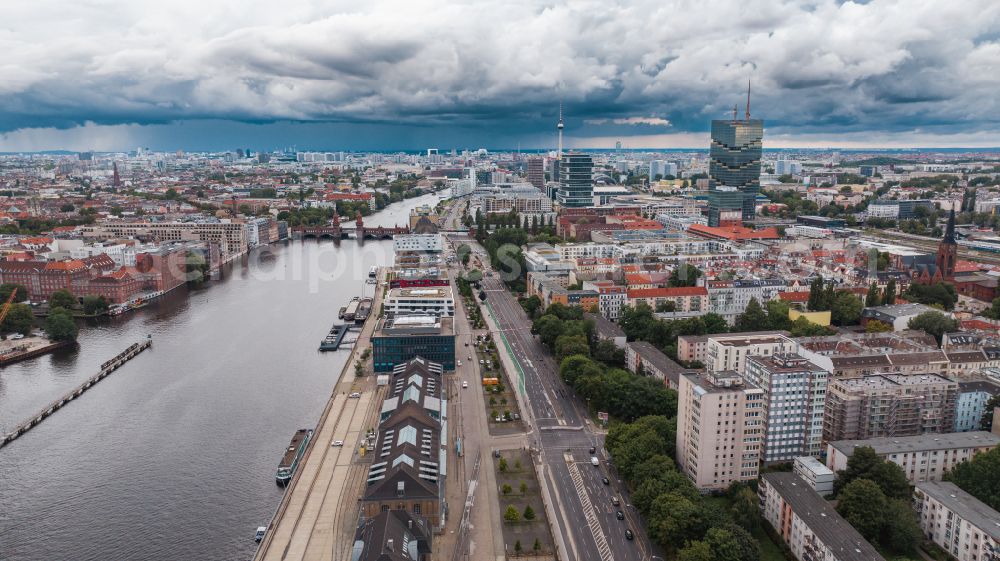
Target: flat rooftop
{"type": "Point", "coordinates": [415, 325]}
{"type": "Point", "coordinates": [423, 292]}
{"type": "Point", "coordinates": [920, 442]}
{"type": "Point", "coordinates": [821, 518]}
{"type": "Point", "coordinates": [967, 507]}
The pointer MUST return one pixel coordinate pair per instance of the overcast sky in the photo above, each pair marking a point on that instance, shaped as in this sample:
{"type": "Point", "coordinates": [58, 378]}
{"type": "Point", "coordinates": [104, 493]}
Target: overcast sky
{"type": "Point", "coordinates": [409, 74]}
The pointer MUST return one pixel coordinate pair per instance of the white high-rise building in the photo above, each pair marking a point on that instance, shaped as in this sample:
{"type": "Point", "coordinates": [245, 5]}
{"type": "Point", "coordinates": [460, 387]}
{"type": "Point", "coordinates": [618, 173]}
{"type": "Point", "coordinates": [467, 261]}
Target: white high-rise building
{"type": "Point", "coordinates": [794, 395]}
{"type": "Point", "coordinates": [662, 168]}
{"type": "Point", "coordinates": [720, 425]}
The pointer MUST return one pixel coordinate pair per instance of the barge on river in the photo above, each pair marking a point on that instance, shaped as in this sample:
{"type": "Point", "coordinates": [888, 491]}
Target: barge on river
{"type": "Point", "coordinates": [293, 454]}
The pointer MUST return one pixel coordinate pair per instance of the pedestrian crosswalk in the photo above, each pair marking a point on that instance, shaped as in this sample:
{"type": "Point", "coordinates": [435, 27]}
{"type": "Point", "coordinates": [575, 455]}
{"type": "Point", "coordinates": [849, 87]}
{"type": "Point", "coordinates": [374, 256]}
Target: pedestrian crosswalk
{"type": "Point", "coordinates": [588, 510]}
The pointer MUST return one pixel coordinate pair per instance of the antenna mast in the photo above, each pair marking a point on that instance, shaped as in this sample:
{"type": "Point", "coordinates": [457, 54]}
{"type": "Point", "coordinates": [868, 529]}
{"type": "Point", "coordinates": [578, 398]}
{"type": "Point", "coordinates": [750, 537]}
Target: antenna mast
{"type": "Point", "coordinates": [748, 99]}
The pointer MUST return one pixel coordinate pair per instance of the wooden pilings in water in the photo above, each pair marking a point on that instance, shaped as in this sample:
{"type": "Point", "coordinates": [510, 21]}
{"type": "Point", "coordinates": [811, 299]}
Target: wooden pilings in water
{"type": "Point", "coordinates": [106, 369]}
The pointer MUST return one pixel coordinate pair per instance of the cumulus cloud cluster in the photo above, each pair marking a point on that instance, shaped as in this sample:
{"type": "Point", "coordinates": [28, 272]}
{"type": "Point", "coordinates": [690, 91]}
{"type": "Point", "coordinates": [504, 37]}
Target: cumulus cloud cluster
{"type": "Point", "coordinates": [816, 65]}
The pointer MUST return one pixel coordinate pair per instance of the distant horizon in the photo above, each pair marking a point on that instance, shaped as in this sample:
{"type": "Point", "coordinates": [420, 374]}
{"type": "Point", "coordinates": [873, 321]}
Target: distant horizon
{"type": "Point", "coordinates": [447, 151]}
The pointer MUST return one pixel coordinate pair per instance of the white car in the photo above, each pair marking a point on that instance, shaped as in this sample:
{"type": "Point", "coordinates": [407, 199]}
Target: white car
{"type": "Point", "coordinates": [16, 336]}
{"type": "Point", "coordinates": [459, 363]}
{"type": "Point", "coordinates": [355, 394]}
{"type": "Point", "coordinates": [465, 384]}
{"type": "Point", "coordinates": [337, 443]}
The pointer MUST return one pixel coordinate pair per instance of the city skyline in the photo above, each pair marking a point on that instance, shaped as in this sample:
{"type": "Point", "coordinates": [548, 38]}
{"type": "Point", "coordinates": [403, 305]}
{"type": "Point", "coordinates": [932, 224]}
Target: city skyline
{"type": "Point", "coordinates": [390, 75]}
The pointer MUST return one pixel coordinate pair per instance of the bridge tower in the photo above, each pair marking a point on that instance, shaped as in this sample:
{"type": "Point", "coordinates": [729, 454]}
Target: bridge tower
{"type": "Point", "coordinates": [360, 226]}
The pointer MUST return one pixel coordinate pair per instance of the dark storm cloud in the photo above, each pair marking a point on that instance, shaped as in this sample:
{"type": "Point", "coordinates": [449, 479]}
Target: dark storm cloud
{"type": "Point", "coordinates": [503, 66]}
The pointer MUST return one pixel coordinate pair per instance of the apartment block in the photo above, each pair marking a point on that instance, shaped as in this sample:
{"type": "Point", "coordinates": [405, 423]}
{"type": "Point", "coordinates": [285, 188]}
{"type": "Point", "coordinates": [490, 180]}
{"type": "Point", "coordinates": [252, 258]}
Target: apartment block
{"type": "Point", "coordinates": [684, 299]}
{"type": "Point", "coordinates": [819, 477]}
{"type": "Point", "coordinates": [729, 352]}
{"type": "Point", "coordinates": [889, 405]}
{"type": "Point", "coordinates": [730, 298]}
{"type": "Point", "coordinates": [794, 395]}
{"type": "Point", "coordinates": [720, 426]}
{"type": "Point", "coordinates": [973, 396]}
{"type": "Point", "coordinates": [642, 357]}
{"type": "Point", "coordinates": [958, 522]}
{"type": "Point", "coordinates": [925, 457]}
{"type": "Point", "coordinates": [848, 355]}
{"type": "Point", "coordinates": [811, 527]}
{"type": "Point", "coordinates": [229, 236]}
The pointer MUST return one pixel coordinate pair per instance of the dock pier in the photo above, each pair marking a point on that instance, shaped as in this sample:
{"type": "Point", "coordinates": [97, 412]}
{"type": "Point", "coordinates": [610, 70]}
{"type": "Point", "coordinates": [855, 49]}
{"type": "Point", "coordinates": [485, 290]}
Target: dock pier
{"type": "Point", "coordinates": [336, 337]}
{"type": "Point", "coordinates": [106, 369]}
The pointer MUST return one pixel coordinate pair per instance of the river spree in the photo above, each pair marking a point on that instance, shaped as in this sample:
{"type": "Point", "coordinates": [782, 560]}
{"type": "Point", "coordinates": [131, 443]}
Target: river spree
{"type": "Point", "coordinates": [173, 456]}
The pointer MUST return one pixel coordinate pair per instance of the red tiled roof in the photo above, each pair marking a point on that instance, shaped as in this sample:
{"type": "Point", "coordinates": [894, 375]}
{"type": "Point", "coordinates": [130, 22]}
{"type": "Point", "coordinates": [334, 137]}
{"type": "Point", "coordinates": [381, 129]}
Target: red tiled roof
{"type": "Point", "coordinates": [734, 232]}
{"type": "Point", "coordinates": [68, 265]}
{"type": "Point", "coordinates": [963, 266]}
{"type": "Point", "coordinates": [979, 324]}
{"type": "Point", "coordinates": [799, 296]}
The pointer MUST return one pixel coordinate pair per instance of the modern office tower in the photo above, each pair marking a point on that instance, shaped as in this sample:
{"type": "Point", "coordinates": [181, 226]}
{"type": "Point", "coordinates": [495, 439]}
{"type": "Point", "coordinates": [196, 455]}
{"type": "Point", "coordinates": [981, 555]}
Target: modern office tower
{"type": "Point", "coordinates": [794, 394]}
{"type": "Point", "coordinates": [576, 183]}
{"type": "Point", "coordinates": [787, 167]}
{"type": "Point", "coordinates": [725, 206]}
{"type": "Point", "coordinates": [734, 157]}
{"type": "Point", "coordinates": [720, 425]}
{"type": "Point", "coordinates": [661, 168]}
{"type": "Point", "coordinates": [536, 172]}
{"type": "Point", "coordinates": [888, 405]}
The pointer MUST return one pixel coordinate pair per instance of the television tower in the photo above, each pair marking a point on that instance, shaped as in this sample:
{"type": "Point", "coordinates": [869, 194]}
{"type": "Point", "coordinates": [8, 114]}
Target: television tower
{"type": "Point", "coordinates": [560, 126]}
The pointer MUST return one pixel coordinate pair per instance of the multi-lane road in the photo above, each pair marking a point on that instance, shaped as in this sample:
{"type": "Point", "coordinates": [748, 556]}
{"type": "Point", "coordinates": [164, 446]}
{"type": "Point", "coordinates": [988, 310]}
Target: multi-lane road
{"type": "Point", "coordinates": [586, 519]}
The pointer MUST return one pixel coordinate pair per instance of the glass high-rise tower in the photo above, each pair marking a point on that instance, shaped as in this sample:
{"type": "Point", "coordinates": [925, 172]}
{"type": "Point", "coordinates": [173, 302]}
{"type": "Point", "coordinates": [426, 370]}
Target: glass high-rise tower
{"type": "Point", "coordinates": [734, 158]}
{"type": "Point", "coordinates": [576, 180]}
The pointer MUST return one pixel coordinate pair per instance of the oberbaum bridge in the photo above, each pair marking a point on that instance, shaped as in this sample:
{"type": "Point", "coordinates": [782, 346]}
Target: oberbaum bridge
{"type": "Point", "coordinates": [334, 229]}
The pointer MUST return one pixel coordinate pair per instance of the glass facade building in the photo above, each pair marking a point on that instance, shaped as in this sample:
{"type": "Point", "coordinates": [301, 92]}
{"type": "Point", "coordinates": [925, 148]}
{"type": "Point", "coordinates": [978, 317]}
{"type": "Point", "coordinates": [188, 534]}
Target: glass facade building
{"type": "Point", "coordinates": [402, 338]}
{"type": "Point", "coordinates": [725, 206]}
{"type": "Point", "coordinates": [576, 181]}
{"type": "Point", "coordinates": [734, 158]}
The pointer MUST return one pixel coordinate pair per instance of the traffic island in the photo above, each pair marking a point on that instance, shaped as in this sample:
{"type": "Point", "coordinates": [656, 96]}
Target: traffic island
{"type": "Point", "coordinates": [502, 411]}
{"type": "Point", "coordinates": [525, 525]}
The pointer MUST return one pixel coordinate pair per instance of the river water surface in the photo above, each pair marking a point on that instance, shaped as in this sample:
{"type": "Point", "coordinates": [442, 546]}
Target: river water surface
{"type": "Point", "coordinates": [172, 457]}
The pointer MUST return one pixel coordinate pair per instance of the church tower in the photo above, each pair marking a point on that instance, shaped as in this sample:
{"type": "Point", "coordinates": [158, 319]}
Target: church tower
{"type": "Point", "coordinates": [947, 254]}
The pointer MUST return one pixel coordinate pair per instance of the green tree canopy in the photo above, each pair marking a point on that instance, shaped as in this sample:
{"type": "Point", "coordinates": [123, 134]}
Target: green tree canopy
{"type": "Point", "coordinates": [63, 299]}
{"type": "Point", "coordinates": [942, 294]}
{"type": "Point", "coordinates": [59, 325]}
{"type": "Point", "coordinates": [753, 318]}
{"type": "Point", "coordinates": [901, 531]}
{"type": "Point", "coordinates": [889, 297]}
{"type": "Point", "coordinates": [20, 319]}
{"type": "Point", "coordinates": [980, 477]}
{"type": "Point", "coordinates": [95, 304]}
{"type": "Point", "coordinates": [863, 505]}
{"type": "Point", "coordinates": [6, 288]}
{"type": "Point", "coordinates": [846, 309]}
{"type": "Point", "coordinates": [684, 275]}
{"type": "Point", "coordinates": [864, 463]}
{"type": "Point", "coordinates": [874, 297]}
{"type": "Point", "coordinates": [934, 323]}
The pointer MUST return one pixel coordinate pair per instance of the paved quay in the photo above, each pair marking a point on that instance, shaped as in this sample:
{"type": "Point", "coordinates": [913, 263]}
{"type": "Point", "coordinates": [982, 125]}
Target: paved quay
{"type": "Point", "coordinates": [318, 514]}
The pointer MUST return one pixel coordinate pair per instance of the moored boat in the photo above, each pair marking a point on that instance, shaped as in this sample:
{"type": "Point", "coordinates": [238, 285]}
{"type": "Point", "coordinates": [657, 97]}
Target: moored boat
{"type": "Point", "coordinates": [293, 454]}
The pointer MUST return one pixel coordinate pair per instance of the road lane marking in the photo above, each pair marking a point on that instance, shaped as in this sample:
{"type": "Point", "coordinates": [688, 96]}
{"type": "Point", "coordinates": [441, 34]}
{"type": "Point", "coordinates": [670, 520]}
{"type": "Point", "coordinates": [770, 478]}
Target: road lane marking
{"type": "Point", "coordinates": [603, 548]}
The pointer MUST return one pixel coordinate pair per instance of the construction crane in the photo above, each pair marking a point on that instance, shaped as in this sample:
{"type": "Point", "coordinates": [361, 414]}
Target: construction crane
{"type": "Point", "coordinates": [6, 305]}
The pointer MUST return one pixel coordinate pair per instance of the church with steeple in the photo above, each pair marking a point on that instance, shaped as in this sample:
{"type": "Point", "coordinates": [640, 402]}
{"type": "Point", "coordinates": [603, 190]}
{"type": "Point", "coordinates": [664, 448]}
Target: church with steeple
{"type": "Point", "coordinates": [965, 276]}
{"type": "Point", "coordinates": [943, 269]}
{"type": "Point", "coordinates": [947, 253]}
